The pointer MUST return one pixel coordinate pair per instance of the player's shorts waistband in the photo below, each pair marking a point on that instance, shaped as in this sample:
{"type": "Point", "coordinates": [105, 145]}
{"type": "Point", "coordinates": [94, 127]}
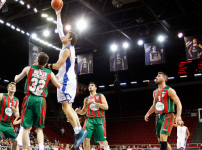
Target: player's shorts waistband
{"type": "Point", "coordinates": [164, 114]}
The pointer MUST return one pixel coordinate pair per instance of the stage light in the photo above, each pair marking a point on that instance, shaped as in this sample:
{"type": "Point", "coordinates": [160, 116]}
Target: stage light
{"type": "Point", "coordinates": [161, 38]}
{"type": "Point", "coordinates": [140, 42]}
{"type": "Point", "coordinates": [133, 82]}
{"type": "Point", "coordinates": [125, 45]}
{"type": "Point", "coordinates": [101, 86]}
{"type": "Point", "coordinates": [13, 27]}
{"type": "Point", "coordinates": [49, 44]}
{"type": "Point", "coordinates": [8, 24]}
{"type": "Point", "coordinates": [180, 35]}
{"type": "Point", "coordinates": [113, 47]}
{"type": "Point", "coordinates": [122, 83]}
{"type": "Point", "coordinates": [111, 85]}
{"type": "Point", "coordinates": [21, 2]}
{"type": "Point", "coordinates": [17, 29]}
{"type": "Point", "coordinates": [198, 74]}
{"type": "Point", "coordinates": [35, 10]}
{"type": "Point", "coordinates": [28, 6]}
{"type": "Point", "coordinates": [81, 24]}
{"type": "Point", "coordinates": [169, 78]}
{"type": "Point", "coordinates": [46, 33]}
{"type": "Point", "coordinates": [27, 34]}
{"type": "Point", "coordinates": [68, 27]}
{"type": "Point", "coordinates": [56, 31]}
{"type": "Point", "coordinates": [50, 19]}
{"type": "Point", "coordinates": [23, 32]}
{"type": "Point", "coordinates": [6, 81]}
{"type": "Point", "coordinates": [185, 76]}
{"type": "Point", "coordinates": [146, 80]}
{"type": "Point", "coordinates": [34, 35]}
{"type": "Point", "coordinates": [16, 0]}
{"type": "Point", "coordinates": [1, 21]}
{"type": "Point", "coordinates": [44, 15]}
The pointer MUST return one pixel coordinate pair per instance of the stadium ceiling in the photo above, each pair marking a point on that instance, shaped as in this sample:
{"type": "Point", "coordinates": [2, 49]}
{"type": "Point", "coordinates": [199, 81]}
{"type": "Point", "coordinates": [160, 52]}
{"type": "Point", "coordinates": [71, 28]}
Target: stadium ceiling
{"type": "Point", "coordinates": [108, 21]}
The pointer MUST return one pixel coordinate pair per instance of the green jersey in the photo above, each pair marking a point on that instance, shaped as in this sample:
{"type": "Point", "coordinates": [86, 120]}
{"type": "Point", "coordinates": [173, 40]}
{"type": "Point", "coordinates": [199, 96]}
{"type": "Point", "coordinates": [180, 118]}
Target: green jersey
{"type": "Point", "coordinates": [164, 103]}
{"type": "Point", "coordinates": [94, 111]}
{"type": "Point", "coordinates": [37, 81]}
{"type": "Point", "coordinates": [5, 106]}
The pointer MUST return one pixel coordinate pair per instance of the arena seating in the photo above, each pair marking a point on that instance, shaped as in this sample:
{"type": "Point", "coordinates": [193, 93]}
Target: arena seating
{"type": "Point", "coordinates": [128, 132]}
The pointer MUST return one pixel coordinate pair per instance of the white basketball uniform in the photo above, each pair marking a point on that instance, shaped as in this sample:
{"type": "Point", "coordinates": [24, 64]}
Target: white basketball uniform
{"type": "Point", "coordinates": [181, 135]}
{"type": "Point", "coordinates": [67, 77]}
{"type": "Point", "coordinates": [19, 138]}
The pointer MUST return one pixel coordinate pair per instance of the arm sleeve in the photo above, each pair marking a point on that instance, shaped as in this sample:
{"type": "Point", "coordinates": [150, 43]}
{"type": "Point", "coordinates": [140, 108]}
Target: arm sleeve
{"type": "Point", "coordinates": [60, 28]}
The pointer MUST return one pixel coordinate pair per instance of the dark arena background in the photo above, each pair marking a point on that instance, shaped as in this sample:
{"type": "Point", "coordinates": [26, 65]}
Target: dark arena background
{"type": "Point", "coordinates": [106, 28]}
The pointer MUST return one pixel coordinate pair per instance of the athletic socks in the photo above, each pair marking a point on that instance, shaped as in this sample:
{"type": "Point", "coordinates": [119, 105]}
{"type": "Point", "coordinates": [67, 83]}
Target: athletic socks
{"type": "Point", "coordinates": [163, 145]}
{"type": "Point", "coordinates": [107, 148]}
{"type": "Point", "coordinates": [41, 146]}
{"type": "Point", "coordinates": [76, 130]}
{"type": "Point", "coordinates": [80, 128]}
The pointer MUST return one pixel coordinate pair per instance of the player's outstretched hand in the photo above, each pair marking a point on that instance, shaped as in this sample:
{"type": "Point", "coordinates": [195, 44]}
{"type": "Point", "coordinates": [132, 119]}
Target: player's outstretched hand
{"type": "Point", "coordinates": [58, 11]}
{"type": "Point", "coordinates": [146, 117]}
{"type": "Point", "coordinates": [77, 110]}
{"type": "Point", "coordinates": [178, 120]}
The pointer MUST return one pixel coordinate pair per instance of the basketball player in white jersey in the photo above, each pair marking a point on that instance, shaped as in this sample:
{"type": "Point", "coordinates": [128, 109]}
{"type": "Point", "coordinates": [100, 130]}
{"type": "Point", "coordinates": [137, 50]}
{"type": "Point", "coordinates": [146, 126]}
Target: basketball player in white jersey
{"type": "Point", "coordinates": [182, 135]}
{"type": "Point", "coordinates": [67, 77]}
{"type": "Point", "coordinates": [19, 137]}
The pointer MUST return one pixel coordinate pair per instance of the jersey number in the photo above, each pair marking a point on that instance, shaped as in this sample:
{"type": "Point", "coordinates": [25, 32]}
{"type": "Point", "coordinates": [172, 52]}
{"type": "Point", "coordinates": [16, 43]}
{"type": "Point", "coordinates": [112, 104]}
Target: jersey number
{"type": "Point", "coordinates": [33, 87]}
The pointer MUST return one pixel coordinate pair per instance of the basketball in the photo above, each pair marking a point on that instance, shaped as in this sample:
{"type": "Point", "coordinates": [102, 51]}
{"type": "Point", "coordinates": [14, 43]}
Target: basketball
{"type": "Point", "coordinates": [57, 4]}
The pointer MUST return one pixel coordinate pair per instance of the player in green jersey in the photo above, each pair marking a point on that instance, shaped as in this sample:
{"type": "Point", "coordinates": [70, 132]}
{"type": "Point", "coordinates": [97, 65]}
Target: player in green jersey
{"type": "Point", "coordinates": [34, 103]}
{"type": "Point", "coordinates": [164, 99]}
{"type": "Point", "coordinates": [9, 108]}
{"type": "Point", "coordinates": [94, 108]}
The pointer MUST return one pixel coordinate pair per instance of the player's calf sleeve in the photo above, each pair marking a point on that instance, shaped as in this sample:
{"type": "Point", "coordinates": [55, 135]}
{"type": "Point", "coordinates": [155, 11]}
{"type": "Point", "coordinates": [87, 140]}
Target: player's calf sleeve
{"type": "Point", "coordinates": [163, 145]}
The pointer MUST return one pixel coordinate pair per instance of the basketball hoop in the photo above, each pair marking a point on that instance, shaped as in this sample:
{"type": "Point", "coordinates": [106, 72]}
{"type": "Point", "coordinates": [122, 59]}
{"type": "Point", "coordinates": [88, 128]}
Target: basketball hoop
{"type": "Point", "coordinates": [2, 2]}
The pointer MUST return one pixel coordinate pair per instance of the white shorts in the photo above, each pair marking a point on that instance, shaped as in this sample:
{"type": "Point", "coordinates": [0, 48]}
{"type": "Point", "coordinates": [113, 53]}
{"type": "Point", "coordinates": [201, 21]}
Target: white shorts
{"type": "Point", "coordinates": [67, 92]}
{"type": "Point", "coordinates": [181, 143]}
{"type": "Point", "coordinates": [19, 138]}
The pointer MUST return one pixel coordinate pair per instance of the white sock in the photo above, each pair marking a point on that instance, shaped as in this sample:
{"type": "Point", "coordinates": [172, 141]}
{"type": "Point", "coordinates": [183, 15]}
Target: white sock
{"type": "Point", "coordinates": [80, 128]}
{"type": "Point", "coordinates": [41, 146]}
{"type": "Point", "coordinates": [76, 130]}
{"type": "Point", "coordinates": [107, 148]}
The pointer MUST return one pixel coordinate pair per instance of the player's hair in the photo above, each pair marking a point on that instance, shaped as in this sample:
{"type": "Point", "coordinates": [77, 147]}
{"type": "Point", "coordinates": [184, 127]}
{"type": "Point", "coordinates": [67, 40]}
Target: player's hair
{"type": "Point", "coordinates": [93, 83]}
{"type": "Point", "coordinates": [10, 84]}
{"type": "Point", "coordinates": [74, 37]}
{"type": "Point", "coordinates": [42, 58]}
{"type": "Point", "coordinates": [164, 76]}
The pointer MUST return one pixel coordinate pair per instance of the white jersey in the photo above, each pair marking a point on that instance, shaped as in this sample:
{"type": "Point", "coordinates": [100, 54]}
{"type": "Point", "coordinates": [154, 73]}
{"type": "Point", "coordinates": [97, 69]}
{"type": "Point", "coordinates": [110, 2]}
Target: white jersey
{"type": "Point", "coordinates": [181, 132]}
{"type": "Point", "coordinates": [66, 71]}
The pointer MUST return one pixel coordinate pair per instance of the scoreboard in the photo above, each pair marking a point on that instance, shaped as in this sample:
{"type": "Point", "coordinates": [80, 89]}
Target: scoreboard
{"type": "Point", "coordinates": [190, 67]}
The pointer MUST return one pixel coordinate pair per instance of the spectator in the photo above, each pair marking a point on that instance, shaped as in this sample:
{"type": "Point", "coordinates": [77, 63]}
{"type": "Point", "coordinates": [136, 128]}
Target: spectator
{"type": "Point", "coordinates": [137, 146]}
{"type": "Point", "coordinates": [80, 147]}
{"type": "Point", "coordinates": [31, 143]}
{"type": "Point", "coordinates": [62, 147]}
{"type": "Point", "coordinates": [129, 148]}
{"type": "Point", "coordinates": [72, 147]}
{"type": "Point", "coordinates": [55, 147]}
{"type": "Point", "coordinates": [155, 146]}
{"type": "Point", "coordinates": [93, 147]}
{"type": "Point", "coordinates": [2, 135]}
{"type": "Point", "coordinates": [133, 147]}
{"type": "Point", "coordinates": [67, 147]}
{"type": "Point", "coordinates": [46, 146]}
{"type": "Point", "coordinates": [62, 130]}
{"type": "Point", "coordinates": [16, 129]}
{"type": "Point", "coordinates": [99, 148]}
{"type": "Point", "coordinates": [55, 141]}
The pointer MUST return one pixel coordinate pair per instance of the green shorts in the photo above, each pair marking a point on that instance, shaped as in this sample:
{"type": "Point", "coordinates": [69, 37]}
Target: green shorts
{"type": "Point", "coordinates": [33, 111]}
{"type": "Point", "coordinates": [96, 125]}
{"type": "Point", "coordinates": [164, 124]}
{"type": "Point", "coordinates": [8, 130]}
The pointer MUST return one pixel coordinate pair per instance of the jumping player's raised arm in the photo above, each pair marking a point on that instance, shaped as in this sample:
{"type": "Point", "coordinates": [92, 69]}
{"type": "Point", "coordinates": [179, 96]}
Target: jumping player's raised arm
{"type": "Point", "coordinates": [176, 100]}
{"type": "Point", "coordinates": [83, 110]}
{"type": "Point", "coordinates": [59, 24]}
{"type": "Point", "coordinates": [55, 81]}
{"type": "Point", "coordinates": [151, 110]}
{"type": "Point", "coordinates": [24, 72]}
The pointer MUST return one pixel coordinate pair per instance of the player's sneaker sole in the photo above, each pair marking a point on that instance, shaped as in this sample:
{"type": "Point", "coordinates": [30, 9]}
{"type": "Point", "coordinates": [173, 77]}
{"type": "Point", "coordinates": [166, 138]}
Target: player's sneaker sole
{"type": "Point", "coordinates": [80, 141]}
